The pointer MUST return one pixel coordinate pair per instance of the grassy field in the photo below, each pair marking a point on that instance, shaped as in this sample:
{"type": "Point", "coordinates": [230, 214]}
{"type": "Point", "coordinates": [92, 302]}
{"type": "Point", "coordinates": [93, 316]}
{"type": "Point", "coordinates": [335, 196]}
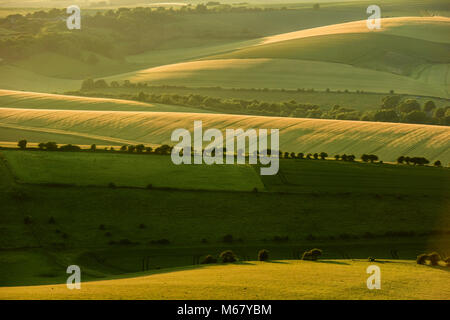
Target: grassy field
{"type": "Point", "coordinates": [399, 199]}
{"type": "Point", "coordinates": [396, 58]}
{"type": "Point", "coordinates": [338, 279]}
{"type": "Point", "coordinates": [387, 140]}
{"type": "Point", "coordinates": [102, 169]}
{"type": "Point", "coordinates": [138, 225]}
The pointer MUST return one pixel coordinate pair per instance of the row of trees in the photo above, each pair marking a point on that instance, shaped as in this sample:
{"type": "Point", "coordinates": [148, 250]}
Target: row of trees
{"type": "Point", "coordinates": [407, 111]}
{"type": "Point", "coordinates": [166, 150]}
{"type": "Point", "coordinates": [417, 161]}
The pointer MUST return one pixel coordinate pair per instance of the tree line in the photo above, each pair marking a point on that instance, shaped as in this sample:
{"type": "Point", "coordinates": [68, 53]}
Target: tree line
{"type": "Point", "coordinates": [393, 108]}
{"type": "Point", "coordinates": [166, 150]}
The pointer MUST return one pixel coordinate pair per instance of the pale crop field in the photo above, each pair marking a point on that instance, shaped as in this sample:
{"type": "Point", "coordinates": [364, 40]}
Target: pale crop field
{"type": "Point", "coordinates": [329, 279]}
{"type": "Point", "coordinates": [387, 140]}
{"type": "Point", "coordinates": [35, 100]}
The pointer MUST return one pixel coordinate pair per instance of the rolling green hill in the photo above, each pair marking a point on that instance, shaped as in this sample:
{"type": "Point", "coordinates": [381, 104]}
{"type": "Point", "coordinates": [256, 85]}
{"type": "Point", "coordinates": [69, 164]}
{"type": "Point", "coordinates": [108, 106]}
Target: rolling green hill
{"type": "Point", "coordinates": [399, 57]}
{"type": "Point", "coordinates": [108, 231]}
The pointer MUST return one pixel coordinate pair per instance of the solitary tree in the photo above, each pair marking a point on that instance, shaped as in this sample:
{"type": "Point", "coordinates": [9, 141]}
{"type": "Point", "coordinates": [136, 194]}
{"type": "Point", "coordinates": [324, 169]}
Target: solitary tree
{"type": "Point", "coordinates": [22, 144]}
{"type": "Point", "coordinates": [93, 147]}
{"type": "Point", "coordinates": [323, 155]}
{"type": "Point", "coordinates": [437, 163]}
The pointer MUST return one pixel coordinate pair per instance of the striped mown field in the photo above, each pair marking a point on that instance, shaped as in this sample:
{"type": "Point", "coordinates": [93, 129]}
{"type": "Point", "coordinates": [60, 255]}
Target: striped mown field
{"type": "Point", "coordinates": [387, 140]}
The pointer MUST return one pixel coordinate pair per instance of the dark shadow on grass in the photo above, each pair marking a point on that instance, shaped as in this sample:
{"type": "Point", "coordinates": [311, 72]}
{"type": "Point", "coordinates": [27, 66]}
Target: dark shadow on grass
{"type": "Point", "coordinates": [333, 262]}
{"type": "Point", "coordinates": [275, 261]}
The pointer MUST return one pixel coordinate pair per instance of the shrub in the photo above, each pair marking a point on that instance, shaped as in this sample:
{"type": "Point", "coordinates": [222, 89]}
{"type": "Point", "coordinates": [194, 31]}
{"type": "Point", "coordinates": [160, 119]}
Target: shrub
{"type": "Point", "coordinates": [434, 258]}
{"type": "Point", "coordinates": [150, 186]}
{"type": "Point", "coordinates": [371, 259]}
{"type": "Point", "coordinates": [227, 256]}
{"type": "Point", "coordinates": [102, 227]}
{"type": "Point", "coordinates": [112, 185]}
{"type": "Point", "coordinates": [65, 235]}
{"type": "Point", "coordinates": [204, 240]}
{"type": "Point", "coordinates": [209, 259]}
{"type": "Point", "coordinates": [51, 220]}
{"type": "Point", "coordinates": [28, 220]}
{"type": "Point", "coordinates": [312, 254]}
{"type": "Point", "coordinates": [263, 255]}
{"type": "Point", "coordinates": [108, 234]}
{"type": "Point", "coordinates": [142, 226]}
{"type": "Point", "coordinates": [422, 258]}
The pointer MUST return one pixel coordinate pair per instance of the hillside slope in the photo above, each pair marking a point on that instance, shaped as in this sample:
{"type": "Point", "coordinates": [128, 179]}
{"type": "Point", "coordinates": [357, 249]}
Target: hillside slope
{"type": "Point", "coordinates": [387, 140]}
{"type": "Point", "coordinates": [340, 279]}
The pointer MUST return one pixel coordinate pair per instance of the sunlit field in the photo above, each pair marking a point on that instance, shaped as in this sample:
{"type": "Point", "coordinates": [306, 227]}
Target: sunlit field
{"type": "Point", "coordinates": [88, 116]}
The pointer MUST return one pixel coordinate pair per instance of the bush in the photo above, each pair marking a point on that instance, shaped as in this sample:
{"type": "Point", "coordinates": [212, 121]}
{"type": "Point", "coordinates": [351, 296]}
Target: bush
{"type": "Point", "coordinates": [434, 258]}
{"type": "Point", "coordinates": [112, 185]}
{"type": "Point", "coordinates": [228, 256]}
{"type": "Point", "coordinates": [142, 226]}
{"type": "Point", "coordinates": [263, 255]}
{"type": "Point", "coordinates": [28, 220]}
{"type": "Point", "coordinates": [422, 258]}
{"type": "Point", "coordinates": [102, 227]}
{"type": "Point", "coordinates": [371, 259]}
{"type": "Point", "coordinates": [312, 254]}
{"type": "Point", "coordinates": [51, 220]}
{"type": "Point", "coordinates": [209, 259]}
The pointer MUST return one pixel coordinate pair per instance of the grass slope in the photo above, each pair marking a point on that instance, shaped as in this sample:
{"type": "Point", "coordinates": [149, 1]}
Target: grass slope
{"type": "Point", "coordinates": [387, 140]}
{"type": "Point", "coordinates": [280, 73]}
{"type": "Point", "coordinates": [393, 198]}
{"type": "Point", "coordinates": [337, 279]}
{"type": "Point", "coordinates": [35, 100]}
{"type": "Point", "coordinates": [408, 55]}
{"type": "Point", "coordinates": [101, 169]}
